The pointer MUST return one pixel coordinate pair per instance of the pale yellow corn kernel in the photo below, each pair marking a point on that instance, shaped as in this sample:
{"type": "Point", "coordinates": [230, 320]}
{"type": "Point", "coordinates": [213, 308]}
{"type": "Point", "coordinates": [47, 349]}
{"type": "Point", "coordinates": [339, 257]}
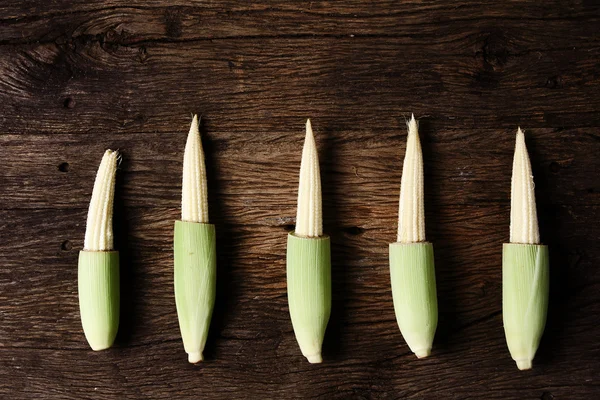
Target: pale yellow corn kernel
{"type": "Point", "coordinates": [99, 230]}
{"type": "Point", "coordinates": [194, 199]}
{"type": "Point", "coordinates": [411, 216]}
{"type": "Point", "coordinates": [309, 216]}
{"type": "Point", "coordinates": [523, 214]}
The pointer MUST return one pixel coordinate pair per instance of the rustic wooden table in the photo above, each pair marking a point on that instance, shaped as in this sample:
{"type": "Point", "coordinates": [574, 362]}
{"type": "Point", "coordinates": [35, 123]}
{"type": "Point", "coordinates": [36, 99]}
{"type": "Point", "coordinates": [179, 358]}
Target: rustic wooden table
{"type": "Point", "coordinates": [77, 77]}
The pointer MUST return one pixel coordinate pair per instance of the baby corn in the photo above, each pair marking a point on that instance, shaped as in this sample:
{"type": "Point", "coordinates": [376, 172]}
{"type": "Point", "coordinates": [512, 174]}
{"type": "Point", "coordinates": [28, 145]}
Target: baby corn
{"type": "Point", "coordinates": [525, 266]}
{"type": "Point", "coordinates": [309, 259]}
{"type": "Point", "coordinates": [411, 257]}
{"type": "Point", "coordinates": [195, 261]}
{"type": "Point", "coordinates": [98, 270]}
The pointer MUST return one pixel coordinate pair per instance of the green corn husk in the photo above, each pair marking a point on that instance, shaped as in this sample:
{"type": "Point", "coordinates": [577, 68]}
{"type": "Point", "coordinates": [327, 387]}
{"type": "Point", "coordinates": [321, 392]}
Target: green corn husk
{"type": "Point", "coordinates": [195, 283]}
{"type": "Point", "coordinates": [309, 291]}
{"type": "Point", "coordinates": [98, 270]}
{"type": "Point", "coordinates": [414, 293]}
{"type": "Point", "coordinates": [525, 288]}
{"type": "Point", "coordinates": [98, 286]}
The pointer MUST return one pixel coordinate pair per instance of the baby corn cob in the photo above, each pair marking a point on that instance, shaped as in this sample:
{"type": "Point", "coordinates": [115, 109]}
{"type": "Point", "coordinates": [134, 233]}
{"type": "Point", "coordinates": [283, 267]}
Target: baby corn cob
{"type": "Point", "coordinates": [98, 270]}
{"type": "Point", "coordinates": [195, 252]}
{"type": "Point", "coordinates": [309, 259]}
{"type": "Point", "coordinates": [411, 257]}
{"type": "Point", "coordinates": [525, 266]}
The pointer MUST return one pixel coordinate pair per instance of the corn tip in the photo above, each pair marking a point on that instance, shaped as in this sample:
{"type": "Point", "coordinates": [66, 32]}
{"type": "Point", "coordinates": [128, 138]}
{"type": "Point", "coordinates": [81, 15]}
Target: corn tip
{"type": "Point", "coordinates": [412, 125]}
{"type": "Point", "coordinates": [195, 357]}
{"type": "Point", "coordinates": [194, 127]}
{"type": "Point", "coordinates": [100, 347]}
{"type": "Point", "coordinates": [194, 133]}
{"type": "Point", "coordinates": [315, 358]}
{"type": "Point", "coordinates": [523, 364]}
{"type": "Point", "coordinates": [423, 353]}
{"type": "Point", "coordinates": [520, 140]}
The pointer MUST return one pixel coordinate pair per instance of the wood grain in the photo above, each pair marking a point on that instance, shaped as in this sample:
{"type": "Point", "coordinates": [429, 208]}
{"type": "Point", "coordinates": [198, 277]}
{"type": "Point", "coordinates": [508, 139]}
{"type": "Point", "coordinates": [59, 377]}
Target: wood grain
{"type": "Point", "coordinates": [241, 83]}
{"type": "Point", "coordinates": [364, 162]}
{"type": "Point", "coordinates": [77, 77]}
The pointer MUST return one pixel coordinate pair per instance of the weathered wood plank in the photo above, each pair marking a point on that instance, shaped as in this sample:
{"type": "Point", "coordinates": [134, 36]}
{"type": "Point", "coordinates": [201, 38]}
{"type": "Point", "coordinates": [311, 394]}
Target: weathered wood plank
{"type": "Point", "coordinates": [435, 23]}
{"type": "Point", "coordinates": [40, 330]}
{"type": "Point", "coordinates": [62, 88]}
{"type": "Point", "coordinates": [256, 175]}
{"type": "Point", "coordinates": [42, 268]}
{"type": "Point", "coordinates": [77, 77]}
{"type": "Point", "coordinates": [116, 375]}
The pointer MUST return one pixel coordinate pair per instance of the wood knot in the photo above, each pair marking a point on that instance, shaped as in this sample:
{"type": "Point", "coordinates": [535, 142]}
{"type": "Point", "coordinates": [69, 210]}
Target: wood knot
{"type": "Point", "coordinates": [138, 120]}
{"type": "Point", "coordinates": [485, 79]}
{"type": "Point", "coordinates": [494, 51]}
{"type": "Point", "coordinates": [482, 289]}
{"type": "Point", "coordinates": [173, 23]}
{"type": "Point", "coordinates": [554, 82]}
{"type": "Point", "coordinates": [493, 55]}
{"type": "Point", "coordinates": [69, 103]}
{"type": "Point", "coordinates": [354, 230]}
{"type": "Point", "coordinates": [142, 54]}
{"type": "Point", "coordinates": [111, 36]}
{"type": "Point", "coordinates": [63, 167]}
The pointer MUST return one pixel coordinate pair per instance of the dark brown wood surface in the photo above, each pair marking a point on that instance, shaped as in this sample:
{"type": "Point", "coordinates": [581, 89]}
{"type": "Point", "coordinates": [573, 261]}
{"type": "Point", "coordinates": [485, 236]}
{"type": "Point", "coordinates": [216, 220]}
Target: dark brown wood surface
{"type": "Point", "coordinates": [77, 77]}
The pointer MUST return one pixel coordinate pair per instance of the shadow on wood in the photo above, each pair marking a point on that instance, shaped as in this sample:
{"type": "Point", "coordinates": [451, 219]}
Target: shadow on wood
{"type": "Point", "coordinates": [129, 288]}
{"type": "Point", "coordinates": [340, 290]}
{"type": "Point", "coordinates": [226, 247]}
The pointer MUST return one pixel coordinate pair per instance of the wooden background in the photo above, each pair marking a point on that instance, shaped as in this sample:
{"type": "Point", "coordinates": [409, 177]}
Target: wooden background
{"type": "Point", "coordinates": [77, 77]}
